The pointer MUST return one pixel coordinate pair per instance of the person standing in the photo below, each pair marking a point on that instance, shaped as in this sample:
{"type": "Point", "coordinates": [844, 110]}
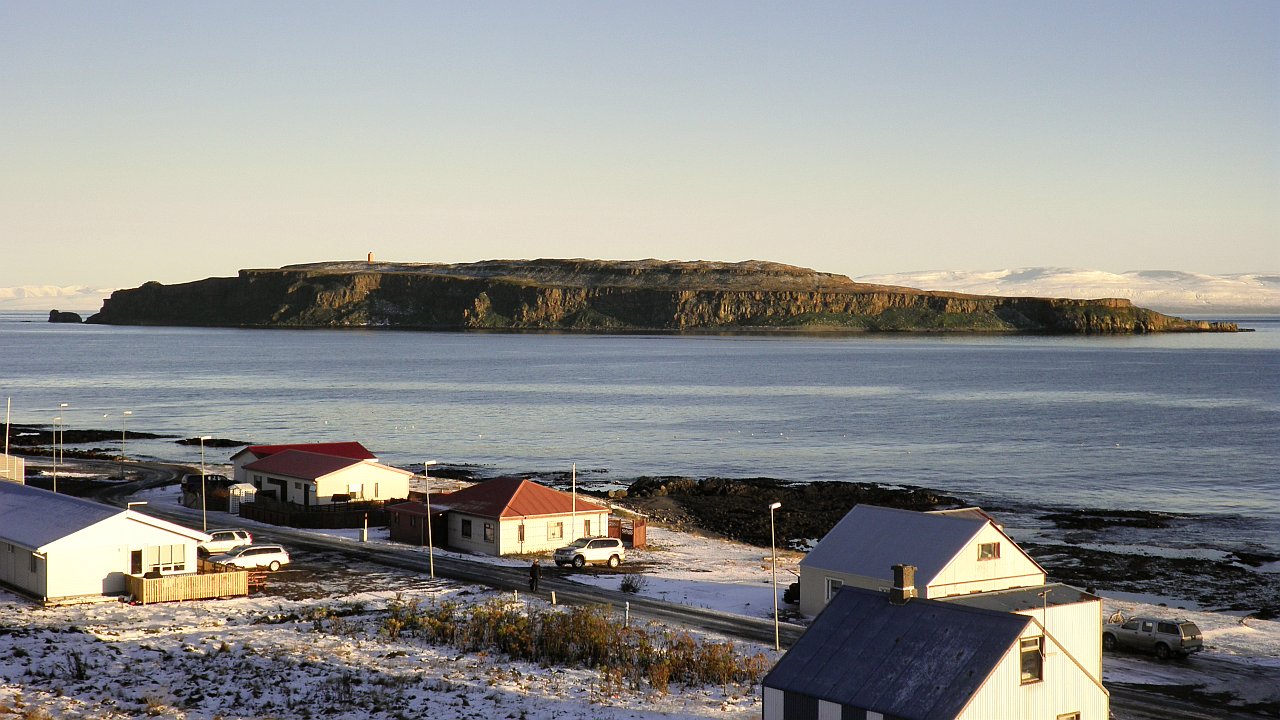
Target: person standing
{"type": "Point", "coordinates": [535, 574]}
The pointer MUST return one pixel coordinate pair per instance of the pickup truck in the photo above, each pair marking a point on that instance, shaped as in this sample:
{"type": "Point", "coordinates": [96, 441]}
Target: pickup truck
{"type": "Point", "coordinates": [1162, 636]}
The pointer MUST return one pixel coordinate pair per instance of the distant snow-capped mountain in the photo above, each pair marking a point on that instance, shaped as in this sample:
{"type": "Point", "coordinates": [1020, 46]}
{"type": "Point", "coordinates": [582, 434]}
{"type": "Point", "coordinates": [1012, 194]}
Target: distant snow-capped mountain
{"type": "Point", "coordinates": [1161, 290]}
{"type": "Point", "coordinates": [43, 298]}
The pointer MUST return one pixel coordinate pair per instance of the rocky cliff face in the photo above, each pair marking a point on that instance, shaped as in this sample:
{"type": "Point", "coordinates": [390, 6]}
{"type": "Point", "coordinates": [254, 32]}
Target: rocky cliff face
{"type": "Point", "coordinates": [646, 295]}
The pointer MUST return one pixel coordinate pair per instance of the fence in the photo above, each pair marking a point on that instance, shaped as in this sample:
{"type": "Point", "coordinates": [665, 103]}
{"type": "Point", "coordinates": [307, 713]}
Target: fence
{"type": "Point", "coordinates": [13, 468]}
{"type": "Point", "coordinates": [188, 587]}
{"type": "Point", "coordinates": [633, 532]}
{"type": "Point", "coordinates": [317, 517]}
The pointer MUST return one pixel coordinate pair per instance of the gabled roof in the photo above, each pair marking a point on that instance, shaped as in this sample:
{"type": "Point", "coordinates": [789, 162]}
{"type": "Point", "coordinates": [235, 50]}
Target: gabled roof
{"type": "Point", "coordinates": [300, 464]}
{"type": "Point", "coordinates": [1021, 599]}
{"type": "Point", "coordinates": [35, 518]}
{"type": "Point", "coordinates": [353, 450]}
{"type": "Point", "coordinates": [870, 539]}
{"type": "Point", "coordinates": [921, 660]}
{"type": "Point", "coordinates": [512, 497]}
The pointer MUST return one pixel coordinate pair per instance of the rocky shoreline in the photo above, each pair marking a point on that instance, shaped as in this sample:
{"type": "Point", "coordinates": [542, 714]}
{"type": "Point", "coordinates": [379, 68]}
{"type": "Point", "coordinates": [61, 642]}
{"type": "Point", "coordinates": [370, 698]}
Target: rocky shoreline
{"type": "Point", "coordinates": [736, 508]}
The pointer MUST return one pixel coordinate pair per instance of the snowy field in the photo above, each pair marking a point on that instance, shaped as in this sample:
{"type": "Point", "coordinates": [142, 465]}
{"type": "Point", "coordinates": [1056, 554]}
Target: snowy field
{"type": "Point", "coordinates": [321, 653]}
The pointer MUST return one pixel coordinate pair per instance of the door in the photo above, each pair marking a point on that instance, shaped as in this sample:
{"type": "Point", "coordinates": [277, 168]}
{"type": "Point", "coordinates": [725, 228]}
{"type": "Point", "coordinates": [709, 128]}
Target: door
{"type": "Point", "coordinates": [135, 562]}
{"type": "Point", "coordinates": [306, 495]}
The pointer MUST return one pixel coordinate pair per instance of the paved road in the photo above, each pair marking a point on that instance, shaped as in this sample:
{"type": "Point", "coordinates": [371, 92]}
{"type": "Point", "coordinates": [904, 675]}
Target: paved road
{"type": "Point", "coordinates": [1127, 703]}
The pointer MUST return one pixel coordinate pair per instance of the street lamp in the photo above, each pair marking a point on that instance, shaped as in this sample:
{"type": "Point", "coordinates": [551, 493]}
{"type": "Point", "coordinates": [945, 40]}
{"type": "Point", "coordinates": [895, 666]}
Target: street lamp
{"type": "Point", "coordinates": [57, 422]}
{"type": "Point", "coordinates": [204, 495]}
{"type": "Point", "coordinates": [62, 410]}
{"type": "Point", "coordinates": [124, 417]}
{"type": "Point", "coordinates": [773, 543]}
{"type": "Point", "coordinates": [431, 549]}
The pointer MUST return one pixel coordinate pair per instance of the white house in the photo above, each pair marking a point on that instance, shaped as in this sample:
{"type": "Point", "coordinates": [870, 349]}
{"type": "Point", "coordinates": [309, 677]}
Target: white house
{"type": "Point", "coordinates": [58, 547]}
{"type": "Point", "coordinates": [1071, 618]}
{"type": "Point", "coordinates": [878, 655]}
{"type": "Point", "coordinates": [254, 453]}
{"type": "Point", "coordinates": [956, 552]}
{"type": "Point", "coordinates": [307, 478]}
{"type": "Point", "coordinates": [505, 516]}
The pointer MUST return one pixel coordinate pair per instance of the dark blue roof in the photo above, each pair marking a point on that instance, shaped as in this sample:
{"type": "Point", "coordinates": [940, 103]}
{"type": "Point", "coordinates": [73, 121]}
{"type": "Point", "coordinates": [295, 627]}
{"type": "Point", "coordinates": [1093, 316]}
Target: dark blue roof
{"type": "Point", "coordinates": [921, 660]}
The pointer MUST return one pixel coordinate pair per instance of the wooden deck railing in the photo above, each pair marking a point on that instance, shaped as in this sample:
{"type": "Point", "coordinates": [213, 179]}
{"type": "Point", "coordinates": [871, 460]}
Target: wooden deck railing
{"type": "Point", "coordinates": [188, 587]}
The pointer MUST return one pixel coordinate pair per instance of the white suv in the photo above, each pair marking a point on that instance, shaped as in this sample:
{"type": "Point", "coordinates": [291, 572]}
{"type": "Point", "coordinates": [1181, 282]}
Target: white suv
{"type": "Point", "coordinates": [223, 541]}
{"type": "Point", "coordinates": [270, 557]}
{"type": "Point", "coordinates": [591, 550]}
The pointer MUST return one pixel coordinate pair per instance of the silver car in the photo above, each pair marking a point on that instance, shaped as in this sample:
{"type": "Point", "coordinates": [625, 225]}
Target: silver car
{"type": "Point", "coordinates": [271, 557]}
{"type": "Point", "coordinates": [1161, 636]}
{"type": "Point", "coordinates": [223, 541]}
{"type": "Point", "coordinates": [591, 550]}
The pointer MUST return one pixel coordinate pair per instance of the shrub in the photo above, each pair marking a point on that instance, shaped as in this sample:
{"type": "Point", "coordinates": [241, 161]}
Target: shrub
{"type": "Point", "coordinates": [634, 583]}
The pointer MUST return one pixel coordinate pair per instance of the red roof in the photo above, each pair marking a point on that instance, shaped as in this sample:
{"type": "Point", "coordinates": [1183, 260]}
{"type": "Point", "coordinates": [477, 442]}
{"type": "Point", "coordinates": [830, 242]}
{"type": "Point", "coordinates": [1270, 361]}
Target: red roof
{"type": "Point", "coordinates": [512, 497]}
{"type": "Point", "coordinates": [299, 464]}
{"type": "Point", "coordinates": [353, 450]}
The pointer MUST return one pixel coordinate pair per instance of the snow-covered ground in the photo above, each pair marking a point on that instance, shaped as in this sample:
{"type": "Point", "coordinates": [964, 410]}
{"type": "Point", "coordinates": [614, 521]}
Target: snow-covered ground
{"type": "Point", "coordinates": [279, 656]}
{"type": "Point", "coordinates": [1166, 291]}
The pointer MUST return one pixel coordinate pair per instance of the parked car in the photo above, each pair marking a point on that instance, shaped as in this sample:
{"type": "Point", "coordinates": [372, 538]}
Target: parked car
{"type": "Point", "coordinates": [591, 550]}
{"type": "Point", "coordinates": [1162, 636]}
{"type": "Point", "coordinates": [223, 541]}
{"type": "Point", "coordinates": [271, 557]}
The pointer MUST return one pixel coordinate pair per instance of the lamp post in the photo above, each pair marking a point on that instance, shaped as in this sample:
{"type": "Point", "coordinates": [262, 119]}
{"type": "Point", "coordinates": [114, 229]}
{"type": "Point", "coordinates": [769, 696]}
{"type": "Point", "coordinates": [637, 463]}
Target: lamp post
{"type": "Point", "coordinates": [62, 411]}
{"type": "Point", "coordinates": [204, 494]}
{"type": "Point", "coordinates": [773, 543]}
{"type": "Point", "coordinates": [124, 417]}
{"type": "Point", "coordinates": [57, 422]}
{"type": "Point", "coordinates": [431, 548]}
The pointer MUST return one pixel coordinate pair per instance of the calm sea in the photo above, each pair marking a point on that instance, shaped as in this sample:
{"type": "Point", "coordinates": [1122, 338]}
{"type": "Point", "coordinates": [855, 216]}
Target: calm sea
{"type": "Point", "coordinates": [1177, 423]}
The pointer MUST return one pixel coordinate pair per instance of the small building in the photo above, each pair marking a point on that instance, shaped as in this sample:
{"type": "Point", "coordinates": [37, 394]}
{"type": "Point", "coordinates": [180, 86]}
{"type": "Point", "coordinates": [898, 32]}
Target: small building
{"type": "Point", "coordinates": [254, 453]}
{"type": "Point", "coordinates": [1072, 616]}
{"type": "Point", "coordinates": [879, 656]}
{"type": "Point", "coordinates": [59, 548]}
{"type": "Point", "coordinates": [313, 479]}
{"type": "Point", "coordinates": [956, 552]}
{"type": "Point", "coordinates": [503, 516]}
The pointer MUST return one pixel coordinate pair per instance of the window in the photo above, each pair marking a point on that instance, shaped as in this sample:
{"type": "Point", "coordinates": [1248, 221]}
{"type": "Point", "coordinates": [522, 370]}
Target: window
{"type": "Point", "coordinates": [297, 486]}
{"type": "Point", "coordinates": [1131, 625]}
{"type": "Point", "coordinates": [586, 527]}
{"type": "Point", "coordinates": [555, 530]}
{"type": "Point", "coordinates": [1069, 716]}
{"type": "Point", "coordinates": [34, 564]}
{"type": "Point", "coordinates": [413, 521]}
{"type": "Point", "coordinates": [165, 558]}
{"type": "Point", "coordinates": [833, 587]}
{"type": "Point", "coordinates": [1032, 659]}
{"type": "Point", "coordinates": [488, 532]}
{"type": "Point", "coordinates": [355, 490]}
{"type": "Point", "coordinates": [1167, 628]}
{"type": "Point", "coordinates": [1147, 626]}
{"type": "Point", "coordinates": [989, 551]}
{"type": "Point", "coordinates": [520, 533]}
{"type": "Point", "coordinates": [466, 528]}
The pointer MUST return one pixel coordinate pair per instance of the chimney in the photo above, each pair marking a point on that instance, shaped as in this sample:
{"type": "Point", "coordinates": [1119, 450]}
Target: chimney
{"type": "Point", "coordinates": [371, 258]}
{"type": "Point", "coordinates": [904, 584]}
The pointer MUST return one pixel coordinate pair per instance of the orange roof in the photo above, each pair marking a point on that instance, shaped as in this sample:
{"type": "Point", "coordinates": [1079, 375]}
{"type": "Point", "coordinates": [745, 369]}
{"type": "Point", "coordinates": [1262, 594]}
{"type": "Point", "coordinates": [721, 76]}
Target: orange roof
{"type": "Point", "coordinates": [299, 464]}
{"type": "Point", "coordinates": [353, 450]}
{"type": "Point", "coordinates": [512, 497]}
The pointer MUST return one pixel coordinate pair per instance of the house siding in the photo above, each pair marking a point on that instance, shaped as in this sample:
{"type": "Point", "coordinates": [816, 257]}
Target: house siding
{"type": "Point", "coordinates": [536, 530]}
{"type": "Point", "coordinates": [1065, 688]}
{"type": "Point", "coordinates": [1078, 627]}
{"type": "Point", "coordinates": [966, 573]}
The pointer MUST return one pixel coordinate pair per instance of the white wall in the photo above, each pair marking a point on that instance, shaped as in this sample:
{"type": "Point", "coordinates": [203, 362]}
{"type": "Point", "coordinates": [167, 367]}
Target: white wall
{"type": "Point", "coordinates": [1065, 688]}
{"type": "Point", "coordinates": [966, 573]}
{"type": "Point", "coordinates": [96, 559]}
{"type": "Point", "coordinates": [536, 531]}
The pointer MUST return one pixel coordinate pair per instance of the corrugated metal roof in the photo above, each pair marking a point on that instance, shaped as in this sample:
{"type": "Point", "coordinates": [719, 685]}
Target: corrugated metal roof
{"type": "Point", "coordinates": [1028, 598]}
{"type": "Point", "coordinates": [353, 450]}
{"type": "Point", "coordinates": [512, 497]}
{"type": "Point", "coordinates": [301, 464]}
{"type": "Point", "coordinates": [922, 660]}
{"type": "Point", "coordinates": [870, 539]}
{"type": "Point", "coordinates": [33, 517]}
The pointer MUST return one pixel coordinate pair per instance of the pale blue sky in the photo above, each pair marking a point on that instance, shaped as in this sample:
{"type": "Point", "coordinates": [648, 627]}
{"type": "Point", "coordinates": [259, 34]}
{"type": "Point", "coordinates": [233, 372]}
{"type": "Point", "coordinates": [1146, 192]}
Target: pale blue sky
{"type": "Point", "coordinates": [175, 140]}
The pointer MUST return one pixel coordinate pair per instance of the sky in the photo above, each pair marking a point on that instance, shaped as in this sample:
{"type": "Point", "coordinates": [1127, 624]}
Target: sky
{"type": "Point", "coordinates": [174, 141]}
